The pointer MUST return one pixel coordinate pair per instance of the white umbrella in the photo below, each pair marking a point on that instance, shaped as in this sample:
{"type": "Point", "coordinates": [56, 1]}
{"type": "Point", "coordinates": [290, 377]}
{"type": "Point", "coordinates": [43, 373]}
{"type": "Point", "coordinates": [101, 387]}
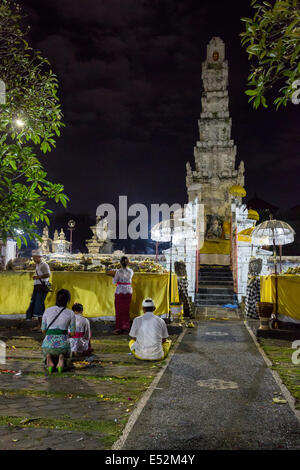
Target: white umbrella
{"type": "Point", "coordinates": [174, 231]}
{"type": "Point", "coordinates": [274, 232]}
{"type": "Point", "coordinates": [163, 231]}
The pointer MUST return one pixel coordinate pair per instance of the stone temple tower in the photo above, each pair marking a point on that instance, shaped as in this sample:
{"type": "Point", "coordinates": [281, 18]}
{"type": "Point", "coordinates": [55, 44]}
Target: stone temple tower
{"type": "Point", "coordinates": [215, 152]}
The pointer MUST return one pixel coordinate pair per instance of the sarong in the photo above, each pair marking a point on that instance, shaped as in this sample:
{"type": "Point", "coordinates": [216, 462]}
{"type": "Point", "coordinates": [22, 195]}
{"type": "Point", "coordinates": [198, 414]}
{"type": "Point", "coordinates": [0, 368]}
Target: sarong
{"type": "Point", "coordinates": [80, 345]}
{"type": "Point", "coordinates": [252, 296]}
{"type": "Point", "coordinates": [165, 346]}
{"type": "Point", "coordinates": [122, 306]}
{"type": "Point", "coordinates": [56, 344]}
{"type": "Point", "coordinates": [37, 303]}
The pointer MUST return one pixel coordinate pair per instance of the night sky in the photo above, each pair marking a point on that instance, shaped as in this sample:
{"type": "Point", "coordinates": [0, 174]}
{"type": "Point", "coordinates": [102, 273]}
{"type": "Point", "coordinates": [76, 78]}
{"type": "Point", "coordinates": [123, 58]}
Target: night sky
{"type": "Point", "coordinates": [130, 89]}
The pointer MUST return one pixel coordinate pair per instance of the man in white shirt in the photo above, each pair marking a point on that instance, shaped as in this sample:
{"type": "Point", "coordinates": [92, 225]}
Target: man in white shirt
{"type": "Point", "coordinates": [149, 333]}
{"type": "Point", "coordinates": [41, 275]}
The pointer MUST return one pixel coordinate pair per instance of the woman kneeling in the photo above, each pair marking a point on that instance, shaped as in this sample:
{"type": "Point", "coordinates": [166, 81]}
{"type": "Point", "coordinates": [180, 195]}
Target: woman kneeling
{"type": "Point", "coordinates": [55, 324]}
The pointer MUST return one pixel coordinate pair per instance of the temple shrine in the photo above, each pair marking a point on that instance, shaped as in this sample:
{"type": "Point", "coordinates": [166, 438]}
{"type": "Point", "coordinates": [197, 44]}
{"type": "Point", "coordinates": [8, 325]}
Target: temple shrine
{"type": "Point", "coordinates": [215, 158]}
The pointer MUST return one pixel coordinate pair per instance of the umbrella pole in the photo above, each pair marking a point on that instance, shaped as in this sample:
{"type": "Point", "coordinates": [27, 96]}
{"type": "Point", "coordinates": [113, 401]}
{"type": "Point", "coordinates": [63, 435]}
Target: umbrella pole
{"type": "Point", "coordinates": [280, 254]}
{"type": "Point", "coordinates": [276, 280]}
{"type": "Point", "coordinates": [156, 251]}
{"type": "Point", "coordinates": [170, 282]}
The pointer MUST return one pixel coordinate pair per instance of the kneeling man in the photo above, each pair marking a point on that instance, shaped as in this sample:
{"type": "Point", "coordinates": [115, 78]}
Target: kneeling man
{"type": "Point", "coordinates": [149, 333]}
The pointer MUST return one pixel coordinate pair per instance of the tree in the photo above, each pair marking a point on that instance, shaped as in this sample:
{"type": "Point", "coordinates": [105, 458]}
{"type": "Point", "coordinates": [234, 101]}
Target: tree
{"type": "Point", "coordinates": [272, 40]}
{"type": "Point", "coordinates": [30, 120]}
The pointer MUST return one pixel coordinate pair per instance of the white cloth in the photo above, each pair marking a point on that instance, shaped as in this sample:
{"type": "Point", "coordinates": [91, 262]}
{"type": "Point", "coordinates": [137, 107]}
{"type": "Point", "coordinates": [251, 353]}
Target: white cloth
{"type": "Point", "coordinates": [82, 326]}
{"type": "Point", "coordinates": [149, 330]}
{"type": "Point", "coordinates": [65, 320]}
{"type": "Point", "coordinates": [40, 269]}
{"type": "Point", "coordinates": [123, 275]}
{"type": "Point", "coordinates": [286, 318]}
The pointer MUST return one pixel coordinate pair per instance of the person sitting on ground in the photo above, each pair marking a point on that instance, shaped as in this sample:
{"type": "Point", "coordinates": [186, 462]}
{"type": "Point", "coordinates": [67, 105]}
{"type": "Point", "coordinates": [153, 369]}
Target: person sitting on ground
{"type": "Point", "coordinates": [80, 341]}
{"type": "Point", "coordinates": [149, 333]}
{"type": "Point", "coordinates": [55, 324]}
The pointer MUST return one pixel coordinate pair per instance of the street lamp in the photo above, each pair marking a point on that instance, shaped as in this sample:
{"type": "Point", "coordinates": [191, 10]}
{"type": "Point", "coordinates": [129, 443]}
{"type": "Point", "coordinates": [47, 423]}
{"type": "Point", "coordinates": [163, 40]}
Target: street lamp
{"type": "Point", "coordinates": [71, 227]}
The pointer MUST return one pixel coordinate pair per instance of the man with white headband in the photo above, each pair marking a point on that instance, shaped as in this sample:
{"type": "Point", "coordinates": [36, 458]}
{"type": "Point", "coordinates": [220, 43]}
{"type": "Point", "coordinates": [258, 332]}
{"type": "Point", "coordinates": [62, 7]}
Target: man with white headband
{"type": "Point", "coordinates": [149, 333]}
{"type": "Point", "coordinates": [42, 274]}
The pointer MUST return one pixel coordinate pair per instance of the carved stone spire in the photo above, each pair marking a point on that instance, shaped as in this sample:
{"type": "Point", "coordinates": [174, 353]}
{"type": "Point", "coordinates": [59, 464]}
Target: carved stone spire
{"type": "Point", "coordinates": [215, 152]}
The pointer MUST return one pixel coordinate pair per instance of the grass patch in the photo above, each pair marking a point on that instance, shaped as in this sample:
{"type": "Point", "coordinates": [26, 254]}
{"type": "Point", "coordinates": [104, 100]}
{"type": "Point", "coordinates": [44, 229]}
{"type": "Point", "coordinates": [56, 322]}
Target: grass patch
{"type": "Point", "coordinates": [114, 398]}
{"type": "Point", "coordinates": [109, 431]}
{"type": "Point", "coordinates": [281, 357]}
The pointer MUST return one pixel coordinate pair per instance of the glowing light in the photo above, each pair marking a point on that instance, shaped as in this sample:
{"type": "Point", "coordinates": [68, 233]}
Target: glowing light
{"type": "Point", "coordinates": [19, 122]}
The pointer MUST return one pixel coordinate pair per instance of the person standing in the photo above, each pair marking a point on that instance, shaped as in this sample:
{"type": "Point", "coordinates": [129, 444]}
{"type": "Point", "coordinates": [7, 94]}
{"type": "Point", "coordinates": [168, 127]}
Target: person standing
{"type": "Point", "coordinates": [41, 277]}
{"type": "Point", "coordinates": [123, 294]}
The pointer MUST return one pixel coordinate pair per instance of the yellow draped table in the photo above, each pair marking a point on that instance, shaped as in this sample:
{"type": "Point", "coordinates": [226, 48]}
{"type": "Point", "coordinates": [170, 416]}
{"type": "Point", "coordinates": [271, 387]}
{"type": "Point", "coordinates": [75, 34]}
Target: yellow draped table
{"type": "Point", "coordinates": [94, 290]}
{"type": "Point", "coordinates": [288, 293]}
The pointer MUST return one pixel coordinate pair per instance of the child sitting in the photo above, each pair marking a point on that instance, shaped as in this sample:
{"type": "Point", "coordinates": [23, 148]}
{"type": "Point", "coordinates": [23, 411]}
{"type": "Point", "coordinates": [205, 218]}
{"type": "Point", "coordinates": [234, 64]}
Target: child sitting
{"type": "Point", "coordinates": [80, 341]}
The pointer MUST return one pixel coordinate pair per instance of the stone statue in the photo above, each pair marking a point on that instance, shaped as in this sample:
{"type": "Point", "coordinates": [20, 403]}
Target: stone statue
{"type": "Point", "coordinates": [46, 244]}
{"type": "Point", "coordinates": [214, 230]}
{"type": "Point", "coordinates": [62, 235]}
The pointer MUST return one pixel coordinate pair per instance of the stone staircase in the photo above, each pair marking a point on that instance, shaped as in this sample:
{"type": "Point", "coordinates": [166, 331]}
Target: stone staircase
{"type": "Point", "coordinates": [215, 287]}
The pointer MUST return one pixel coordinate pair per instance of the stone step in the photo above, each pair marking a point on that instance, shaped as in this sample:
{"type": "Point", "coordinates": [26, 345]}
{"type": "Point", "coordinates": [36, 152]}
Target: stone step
{"type": "Point", "coordinates": [212, 291]}
{"type": "Point", "coordinates": [217, 312]}
{"type": "Point", "coordinates": [212, 274]}
{"type": "Point", "coordinates": [212, 303]}
{"type": "Point", "coordinates": [214, 267]}
{"type": "Point", "coordinates": [218, 300]}
{"type": "Point", "coordinates": [215, 272]}
{"type": "Point", "coordinates": [222, 293]}
{"type": "Point", "coordinates": [213, 279]}
{"type": "Point", "coordinates": [214, 283]}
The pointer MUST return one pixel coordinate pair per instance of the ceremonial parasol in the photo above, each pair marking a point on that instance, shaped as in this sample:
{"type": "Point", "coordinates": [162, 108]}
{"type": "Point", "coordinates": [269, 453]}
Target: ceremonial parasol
{"type": "Point", "coordinates": [274, 232]}
{"type": "Point", "coordinates": [173, 231]}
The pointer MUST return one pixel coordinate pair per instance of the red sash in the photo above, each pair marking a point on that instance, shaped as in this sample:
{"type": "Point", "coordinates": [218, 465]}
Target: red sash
{"type": "Point", "coordinates": [78, 335]}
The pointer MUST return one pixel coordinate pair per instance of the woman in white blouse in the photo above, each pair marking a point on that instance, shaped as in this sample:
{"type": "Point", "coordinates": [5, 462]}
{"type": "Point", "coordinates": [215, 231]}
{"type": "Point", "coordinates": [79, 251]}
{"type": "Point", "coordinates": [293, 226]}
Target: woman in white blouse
{"type": "Point", "coordinates": [123, 294]}
{"type": "Point", "coordinates": [56, 323]}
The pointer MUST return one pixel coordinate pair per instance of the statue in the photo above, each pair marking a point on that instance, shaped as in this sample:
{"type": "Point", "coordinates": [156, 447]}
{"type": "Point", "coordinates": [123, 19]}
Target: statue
{"type": "Point", "coordinates": [46, 243]}
{"type": "Point", "coordinates": [214, 229]}
{"type": "Point", "coordinates": [62, 235]}
{"type": "Point", "coordinates": [60, 245]}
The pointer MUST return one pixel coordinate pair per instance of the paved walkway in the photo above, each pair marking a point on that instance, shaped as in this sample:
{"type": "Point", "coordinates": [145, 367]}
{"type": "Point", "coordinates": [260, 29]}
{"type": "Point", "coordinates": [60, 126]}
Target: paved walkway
{"type": "Point", "coordinates": [217, 393]}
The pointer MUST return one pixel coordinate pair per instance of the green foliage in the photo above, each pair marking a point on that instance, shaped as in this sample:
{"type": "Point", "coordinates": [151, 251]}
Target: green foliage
{"type": "Point", "coordinates": [272, 40]}
{"type": "Point", "coordinates": [31, 99]}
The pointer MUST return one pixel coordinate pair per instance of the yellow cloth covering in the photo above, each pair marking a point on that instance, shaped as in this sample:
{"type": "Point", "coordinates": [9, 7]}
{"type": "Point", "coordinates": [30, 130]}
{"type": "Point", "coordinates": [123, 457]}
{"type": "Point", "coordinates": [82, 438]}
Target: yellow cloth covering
{"type": "Point", "coordinates": [288, 293]}
{"type": "Point", "coordinates": [218, 247]}
{"type": "Point", "coordinates": [166, 348]}
{"type": "Point", "coordinates": [215, 252]}
{"type": "Point", "coordinates": [94, 290]}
